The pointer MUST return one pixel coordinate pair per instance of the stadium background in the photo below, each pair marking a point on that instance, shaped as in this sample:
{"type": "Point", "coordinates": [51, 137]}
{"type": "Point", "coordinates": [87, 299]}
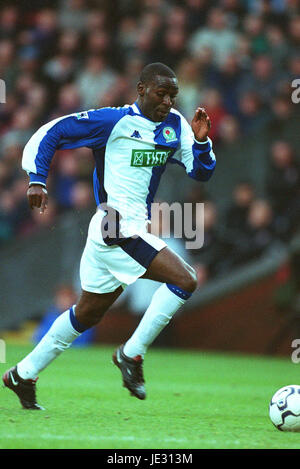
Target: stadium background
{"type": "Point", "coordinates": [237, 59]}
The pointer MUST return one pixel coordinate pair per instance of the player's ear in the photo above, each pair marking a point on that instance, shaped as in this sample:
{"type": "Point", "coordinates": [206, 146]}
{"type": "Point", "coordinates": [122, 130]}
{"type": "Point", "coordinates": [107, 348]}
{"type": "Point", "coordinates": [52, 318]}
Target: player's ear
{"type": "Point", "coordinates": [141, 88]}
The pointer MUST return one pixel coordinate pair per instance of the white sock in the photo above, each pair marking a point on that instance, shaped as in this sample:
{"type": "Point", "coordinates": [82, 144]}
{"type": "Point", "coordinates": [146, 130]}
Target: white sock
{"type": "Point", "coordinates": [163, 306]}
{"type": "Point", "coordinates": [59, 337]}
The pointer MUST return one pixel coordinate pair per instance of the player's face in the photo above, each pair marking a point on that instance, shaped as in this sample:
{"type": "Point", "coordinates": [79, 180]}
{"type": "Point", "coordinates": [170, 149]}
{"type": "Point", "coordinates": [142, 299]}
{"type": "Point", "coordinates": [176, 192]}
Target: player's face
{"type": "Point", "coordinates": [158, 97]}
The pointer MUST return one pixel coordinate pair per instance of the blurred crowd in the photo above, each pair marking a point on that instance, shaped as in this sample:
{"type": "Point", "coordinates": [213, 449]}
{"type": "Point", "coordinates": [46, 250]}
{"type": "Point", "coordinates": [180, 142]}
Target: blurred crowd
{"type": "Point", "coordinates": [237, 58]}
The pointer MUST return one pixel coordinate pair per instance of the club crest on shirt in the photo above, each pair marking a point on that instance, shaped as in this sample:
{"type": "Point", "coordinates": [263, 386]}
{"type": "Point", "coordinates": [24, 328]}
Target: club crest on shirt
{"type": "Point", "coordinates": [169, 134]}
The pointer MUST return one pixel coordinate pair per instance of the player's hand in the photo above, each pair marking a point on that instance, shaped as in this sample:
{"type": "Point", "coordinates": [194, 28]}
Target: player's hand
{"type": "Point", "coordinates": [37, 197]}
{"type": "Point", "coordinates": [201, 124]}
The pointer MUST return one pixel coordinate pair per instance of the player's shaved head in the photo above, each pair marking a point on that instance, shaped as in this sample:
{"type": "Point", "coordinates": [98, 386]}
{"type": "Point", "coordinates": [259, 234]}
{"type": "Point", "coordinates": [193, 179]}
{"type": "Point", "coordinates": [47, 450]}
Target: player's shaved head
{"type": "Point", "coordinates": [150, 71]}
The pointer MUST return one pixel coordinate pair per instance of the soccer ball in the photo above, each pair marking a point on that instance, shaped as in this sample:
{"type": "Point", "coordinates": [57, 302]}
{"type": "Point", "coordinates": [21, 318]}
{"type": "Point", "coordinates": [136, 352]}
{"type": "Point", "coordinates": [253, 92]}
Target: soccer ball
{"type": "Point", "coordinates": [284, 409]}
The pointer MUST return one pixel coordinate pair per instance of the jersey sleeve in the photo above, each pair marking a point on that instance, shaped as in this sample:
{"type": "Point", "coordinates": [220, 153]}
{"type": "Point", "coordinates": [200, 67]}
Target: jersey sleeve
{"type": "Point", "coordinates": [197, 158]}
{"type": "Point", "coordinates": [85, 129]}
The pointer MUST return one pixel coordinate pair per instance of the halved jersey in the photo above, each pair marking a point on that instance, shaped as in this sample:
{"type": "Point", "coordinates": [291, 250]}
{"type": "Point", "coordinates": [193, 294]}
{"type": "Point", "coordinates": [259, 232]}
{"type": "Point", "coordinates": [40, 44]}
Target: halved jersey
{"type": "Point", "coordinates": [131, 153]}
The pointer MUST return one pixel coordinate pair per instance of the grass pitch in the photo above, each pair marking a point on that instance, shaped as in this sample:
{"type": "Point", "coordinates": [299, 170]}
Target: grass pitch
{"type": "Point", "coordinates": [194, 400]}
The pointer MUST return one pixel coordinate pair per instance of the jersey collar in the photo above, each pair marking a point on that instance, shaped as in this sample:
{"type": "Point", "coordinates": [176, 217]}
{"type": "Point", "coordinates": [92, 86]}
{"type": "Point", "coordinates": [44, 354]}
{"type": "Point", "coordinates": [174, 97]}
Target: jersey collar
{"type": "Point", "coordinates": [136, 109]}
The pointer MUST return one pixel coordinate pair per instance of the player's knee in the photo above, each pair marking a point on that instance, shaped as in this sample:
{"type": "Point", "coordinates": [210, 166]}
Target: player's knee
{"type": "Point", "coordinates": [189, 281]}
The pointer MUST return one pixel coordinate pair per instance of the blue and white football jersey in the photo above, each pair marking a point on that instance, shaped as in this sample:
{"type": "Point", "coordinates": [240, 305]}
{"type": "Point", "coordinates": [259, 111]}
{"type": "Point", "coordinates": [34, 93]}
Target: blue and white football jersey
{"type": "Point", "coordinates": [131, 153]}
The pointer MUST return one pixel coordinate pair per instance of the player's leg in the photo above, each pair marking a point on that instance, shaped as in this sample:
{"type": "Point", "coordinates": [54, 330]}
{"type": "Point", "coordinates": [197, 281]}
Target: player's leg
{"type": "Point", "coordinates": [168, 267]}
{"type": "Point", "coordinates": [178, 283]}
{"type": "Point", "coordinates": [99, 291]}
{"type": "Point", "coordinates": [179, 280]}
{"type": "Point", "coordinates": [66, 328]}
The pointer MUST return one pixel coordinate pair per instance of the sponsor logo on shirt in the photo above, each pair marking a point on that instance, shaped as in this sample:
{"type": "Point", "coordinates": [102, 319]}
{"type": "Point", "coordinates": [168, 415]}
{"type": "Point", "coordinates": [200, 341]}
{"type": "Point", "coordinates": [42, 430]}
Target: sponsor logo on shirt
{"type": "Point", "coordinates": [149, 157]}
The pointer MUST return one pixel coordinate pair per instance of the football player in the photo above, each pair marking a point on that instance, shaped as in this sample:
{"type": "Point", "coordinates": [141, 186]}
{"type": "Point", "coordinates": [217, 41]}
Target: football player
{"type": "Point", "coordinates": [132, 146]}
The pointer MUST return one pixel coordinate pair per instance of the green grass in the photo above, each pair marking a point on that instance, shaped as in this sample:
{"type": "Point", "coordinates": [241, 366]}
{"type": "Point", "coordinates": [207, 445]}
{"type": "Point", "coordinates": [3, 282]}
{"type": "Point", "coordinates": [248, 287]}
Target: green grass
{"type": "Point", "coordinates": [195, 400]}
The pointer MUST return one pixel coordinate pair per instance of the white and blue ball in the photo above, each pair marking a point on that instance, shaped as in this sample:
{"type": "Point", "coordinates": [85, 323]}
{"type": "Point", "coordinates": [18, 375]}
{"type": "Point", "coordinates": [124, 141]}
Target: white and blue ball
{"type": "Point", "coordinates": [284, 408]}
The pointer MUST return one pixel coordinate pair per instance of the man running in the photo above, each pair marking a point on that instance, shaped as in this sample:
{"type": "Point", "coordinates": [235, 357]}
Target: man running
{"type": "Point", "coordinates": [132, 146]}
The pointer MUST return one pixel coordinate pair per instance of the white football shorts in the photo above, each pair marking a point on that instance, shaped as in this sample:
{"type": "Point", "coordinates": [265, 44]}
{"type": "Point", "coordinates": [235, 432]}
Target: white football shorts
{"type": "Point", "coordinates": [104, 268]}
